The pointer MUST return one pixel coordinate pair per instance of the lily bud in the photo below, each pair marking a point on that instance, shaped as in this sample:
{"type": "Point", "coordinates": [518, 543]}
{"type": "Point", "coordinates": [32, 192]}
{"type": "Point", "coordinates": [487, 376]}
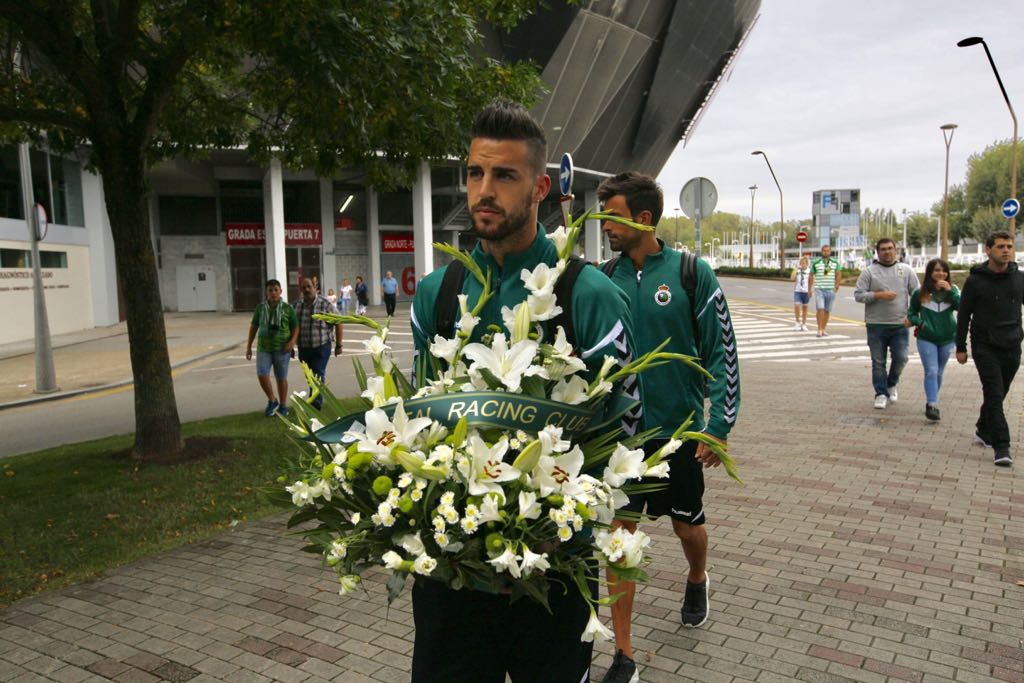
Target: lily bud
{"type": "Point", "coordinates": [522, 324]}
{"type": "Point", "coordinates": [528, 457]}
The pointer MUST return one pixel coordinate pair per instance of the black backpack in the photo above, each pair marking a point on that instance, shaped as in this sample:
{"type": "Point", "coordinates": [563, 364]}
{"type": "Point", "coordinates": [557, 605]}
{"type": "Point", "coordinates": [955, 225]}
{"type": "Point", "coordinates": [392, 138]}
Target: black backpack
{"type": "Point", "coordinates": [446, 309]}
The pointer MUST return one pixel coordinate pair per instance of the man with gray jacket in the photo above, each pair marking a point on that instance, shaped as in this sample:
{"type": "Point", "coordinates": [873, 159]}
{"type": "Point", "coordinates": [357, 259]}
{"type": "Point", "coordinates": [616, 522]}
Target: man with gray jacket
{"type": "Point", "coordinates": [884, 288]}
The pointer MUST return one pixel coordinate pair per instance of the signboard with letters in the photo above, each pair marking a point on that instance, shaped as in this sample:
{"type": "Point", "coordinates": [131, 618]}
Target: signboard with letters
{"type": "Point", "coordinates": [402, 242]}
{"type": "Point", "coordinates": [254, 234]}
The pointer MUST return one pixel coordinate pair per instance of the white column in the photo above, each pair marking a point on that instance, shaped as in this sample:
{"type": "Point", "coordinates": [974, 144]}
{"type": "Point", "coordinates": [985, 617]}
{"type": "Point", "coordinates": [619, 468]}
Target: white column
{"type": "Point", "coordinates": [959, 251]}
{"type": "Point", "coordinates": [422, 222]}
{"type": "Point", "coordinates": [373, 244]}
{"type": "Point", "coordinates": [102, 267]}
{"type": "Point", "coordinates": [329, 276]}
{"type": "Point", "coordinates": [273, 225]}
{"type": "Point", "coordinates": [592, 237]}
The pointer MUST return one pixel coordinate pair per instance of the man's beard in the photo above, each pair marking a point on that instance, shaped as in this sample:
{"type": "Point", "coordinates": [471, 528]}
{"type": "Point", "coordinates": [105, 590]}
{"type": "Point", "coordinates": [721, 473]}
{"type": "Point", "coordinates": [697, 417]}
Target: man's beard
{"type": "Point", "coordinates": [515, 221]}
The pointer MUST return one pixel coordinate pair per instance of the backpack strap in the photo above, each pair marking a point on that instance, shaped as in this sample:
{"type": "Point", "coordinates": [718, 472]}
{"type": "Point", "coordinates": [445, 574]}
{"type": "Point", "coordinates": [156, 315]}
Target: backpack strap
{"type": "Point", "coordinates": [688, 280]}
{"type": "Point", "coordinates": [446, 308]}
{"type": "Point", "coordinates": [608, 267]}
{"type": "Point", "coordinates": [563, 296]}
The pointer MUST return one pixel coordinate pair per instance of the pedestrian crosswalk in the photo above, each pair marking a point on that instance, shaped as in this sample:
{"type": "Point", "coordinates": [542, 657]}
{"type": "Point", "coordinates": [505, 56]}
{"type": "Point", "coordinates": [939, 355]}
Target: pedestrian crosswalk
{"type": "Point", "coordinates": [765, 333]}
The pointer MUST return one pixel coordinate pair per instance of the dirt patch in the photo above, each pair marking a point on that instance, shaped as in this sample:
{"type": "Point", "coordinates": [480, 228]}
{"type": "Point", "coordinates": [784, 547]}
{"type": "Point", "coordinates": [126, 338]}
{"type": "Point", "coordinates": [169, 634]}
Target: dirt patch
{"type": "Point", "coordinates": [196, 448]}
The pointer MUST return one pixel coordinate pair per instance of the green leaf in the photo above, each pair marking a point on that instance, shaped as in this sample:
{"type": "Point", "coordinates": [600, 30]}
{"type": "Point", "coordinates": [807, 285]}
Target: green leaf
{"type": "Point", "coordinates": [395, 585]}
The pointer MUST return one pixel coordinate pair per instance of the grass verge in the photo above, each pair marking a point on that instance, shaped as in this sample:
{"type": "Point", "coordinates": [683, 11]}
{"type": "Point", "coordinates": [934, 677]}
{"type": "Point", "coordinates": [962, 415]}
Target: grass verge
{"type": "Point", "coordinates": [70, 513]}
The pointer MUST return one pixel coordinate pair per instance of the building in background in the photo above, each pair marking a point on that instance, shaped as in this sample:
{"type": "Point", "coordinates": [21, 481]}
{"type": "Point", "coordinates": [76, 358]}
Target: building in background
{"type": "Point", "coordinates": [627, 82]}
{"type": "Point", "coordinates": [836, 216]}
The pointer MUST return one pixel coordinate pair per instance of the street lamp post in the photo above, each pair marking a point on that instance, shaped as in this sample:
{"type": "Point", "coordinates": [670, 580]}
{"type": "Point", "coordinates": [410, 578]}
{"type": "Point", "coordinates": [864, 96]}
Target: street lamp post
{"type": "Point", "coordinates": [904, 231]}
{"type": "Point", "coordinates": [782, 220]}
{"type": "Point", "coordinates": [975, 40]}
{"type": "Point", "coordinates": [947, 135]}
{"type": "Point", "coordinates": [750, 236]}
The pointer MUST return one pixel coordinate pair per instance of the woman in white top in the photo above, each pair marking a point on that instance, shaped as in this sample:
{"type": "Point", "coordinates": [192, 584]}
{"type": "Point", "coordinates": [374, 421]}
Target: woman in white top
{"type": "Point", "coordinates": [801, 293]}
{"type": "Point", "coordinates": [346, 296]}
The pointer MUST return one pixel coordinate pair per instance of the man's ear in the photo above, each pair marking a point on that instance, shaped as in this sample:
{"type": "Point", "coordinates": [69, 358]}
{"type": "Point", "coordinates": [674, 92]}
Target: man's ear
{"type": "Point", "coordinates": [644, 217]}
{"type": "Point", "coordinates": [541, 188]}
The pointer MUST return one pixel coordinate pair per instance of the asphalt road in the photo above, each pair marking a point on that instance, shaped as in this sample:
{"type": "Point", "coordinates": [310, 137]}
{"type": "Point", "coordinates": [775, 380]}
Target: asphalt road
{"type": "Point", "coordinates": [225, 384]}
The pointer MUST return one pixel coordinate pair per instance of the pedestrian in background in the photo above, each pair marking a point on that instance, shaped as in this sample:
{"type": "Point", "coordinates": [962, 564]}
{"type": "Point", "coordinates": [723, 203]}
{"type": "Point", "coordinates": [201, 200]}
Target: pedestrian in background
{"type": "Point", "coordinates": [332, 297]}
{"type": "Point", "coordinates": [315, 336]}
{"type": "Point", "coordinates": [362, 295]}
{"type": "Point", "coordinates": [884, 288]}
{"type": "Point", "coordinates": [932, 313]}
{"type": "Point", "coordinates": [389, 289]}
{"type": "Point", "coordinates": [990, 307]}
{"type": "Point", "coordinates": [276, 329]}
{"type": "Point", "coordinates": [346, 296]}
{"type": "Point", "coordinates": [801, 293]}
{"type": "Point", "coordinates": [825, 282]}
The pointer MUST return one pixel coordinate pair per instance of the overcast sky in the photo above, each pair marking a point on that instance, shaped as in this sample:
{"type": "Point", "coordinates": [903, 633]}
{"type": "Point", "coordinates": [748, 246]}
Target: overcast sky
{"type": "Point", "coordinates": [844, 94]}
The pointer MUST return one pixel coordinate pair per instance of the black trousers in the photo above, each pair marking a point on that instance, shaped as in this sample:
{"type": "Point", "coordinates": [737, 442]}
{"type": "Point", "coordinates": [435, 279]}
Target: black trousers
{"type": "Point", "coordinates": [469, 636]}
{"type": "Point", "coordinates": [389, 303]}
{"type": "Point", "coordinates": [996, 369]}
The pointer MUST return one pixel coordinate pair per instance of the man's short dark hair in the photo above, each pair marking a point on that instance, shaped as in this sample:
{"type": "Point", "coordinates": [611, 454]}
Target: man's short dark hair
{"type": "Point", "coordinates": [885, 240]}
{"type": "Point", "coordinates": [990, 241]}
{"type": "Point", "coordinates": [272, 282]}
{"type": "Point", "coordinates": [507, 120]}
{"type": "Point", "coordinates": [641, 191]}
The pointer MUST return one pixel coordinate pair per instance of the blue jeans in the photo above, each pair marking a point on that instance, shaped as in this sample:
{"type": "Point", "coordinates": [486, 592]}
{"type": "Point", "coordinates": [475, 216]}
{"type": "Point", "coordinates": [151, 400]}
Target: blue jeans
{"type": "Point", "coordinates": [881, 341]}
{"type": "Point", "coordinates": [316, 358]}
{"type": "Point", "coordinates": [933, 358]}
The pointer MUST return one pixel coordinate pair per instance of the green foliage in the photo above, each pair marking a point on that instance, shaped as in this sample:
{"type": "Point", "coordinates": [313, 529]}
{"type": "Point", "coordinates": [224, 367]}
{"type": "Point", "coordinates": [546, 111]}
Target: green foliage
{"type": "Point", "coordinates": [770, 273]}
{"type": "Point", "coordinates": [988, 177]}
{"type": "Point", "coordinates": [959, 223]}
{"type": "Point", "coordinates": [71, 512]}
{"type": "Point", "coordinates": [921, 229]}
{"type": "Point", "coordinates": [987, 220]}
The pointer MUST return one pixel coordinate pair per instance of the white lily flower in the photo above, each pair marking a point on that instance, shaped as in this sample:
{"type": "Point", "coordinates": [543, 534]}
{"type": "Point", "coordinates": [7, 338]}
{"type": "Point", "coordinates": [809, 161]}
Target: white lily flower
{"type": "Point", "coordinates": [489, 509]}
{"type": "Point", "coordinates": [392, 560]}
{"type": "Point", "coordinates": [670, 447]}
{"type": "Point", "coordinates": [532, 562]}
{"type": "Point", "coordinates": [660, 471]}
{"type": "Point", "coordinates": [466, 324]}
{"type": "Point", "coordinates": [383, 434]}
{"type": "Point", "coordinates": [623, 465]}
{"type": "Point", "coordinates": [595, 630]}
{"type": "Point", "coordinates": [505, 363]}
{"type": "Point", "coordinates": [600, 389]}
{"type": "Point", "coordinates": [508, 318]}
{"type": "Point", "coordinates": [485, 471]}
{"type": "Point", "coordinates": [424, 564]}
{"type": "Point", "coordinates": [542, 279]}
{"type": "Point", "coordinates": [559, 473]}
{"type": "Point", "coordinates": [508, 561]}
{"type": "Point", "coordinates": [349, 583]}
{"type": "Point", "coordinates": [444, 348]}
{"type": "Point", "coordinates": [572, 391]}
{"type": "Point", "coordinates": [356, 517]}
{"type": "Point", "coordinates": [412, 544]}
{"type": "Point", "coordinates": [551, 440]}
{"type": "Point", "coordinates": [543, 306]}
{"type": "Point", "coordinates": [633, 554]}
{"type": "Point", "coordinates": [529, 508]}
{"type": "Point", "coordinates": [301, 492]}
{"type": "Point", "coordinates": [560, 236]}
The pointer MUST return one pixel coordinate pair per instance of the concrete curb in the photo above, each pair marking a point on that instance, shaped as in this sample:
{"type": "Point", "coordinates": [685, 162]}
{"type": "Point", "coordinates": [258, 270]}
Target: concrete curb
{"type": "Point", "coordinates": [58, 395]}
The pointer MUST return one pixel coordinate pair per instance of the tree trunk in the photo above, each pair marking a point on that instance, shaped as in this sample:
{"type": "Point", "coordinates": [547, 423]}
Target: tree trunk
{"type": "Point", "coordinates": [157, 426]}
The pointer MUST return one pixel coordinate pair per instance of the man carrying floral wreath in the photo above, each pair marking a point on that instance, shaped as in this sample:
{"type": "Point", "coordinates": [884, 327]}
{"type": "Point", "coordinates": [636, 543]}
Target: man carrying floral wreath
{"type": "Point", "coordinates": [468, 635]}
{"type": "Point", "coordinates": [698, 324]}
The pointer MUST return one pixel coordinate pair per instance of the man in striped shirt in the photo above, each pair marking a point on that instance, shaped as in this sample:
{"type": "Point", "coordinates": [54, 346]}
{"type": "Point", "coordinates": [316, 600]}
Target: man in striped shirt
{"type": "Point", "coordinates": [315, 336]}
{"type": "Point", "coordinates": [825, 281]}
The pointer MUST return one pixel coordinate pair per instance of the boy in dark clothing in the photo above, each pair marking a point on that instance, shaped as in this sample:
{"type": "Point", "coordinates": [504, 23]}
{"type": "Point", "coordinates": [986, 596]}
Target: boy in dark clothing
{"type": "Point", "coordinates": [990, 307]}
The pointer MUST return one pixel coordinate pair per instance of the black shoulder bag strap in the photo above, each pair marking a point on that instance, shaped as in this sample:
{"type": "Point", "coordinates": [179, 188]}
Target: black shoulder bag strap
{"type": "Point", "coordinates": [608, 267]}
{"type": "Point", "coordinates": [446, 307]}
{"type": "Point", "coordinates": [688, 279]}
{"type": "Point", "coordinates": [563, 296]}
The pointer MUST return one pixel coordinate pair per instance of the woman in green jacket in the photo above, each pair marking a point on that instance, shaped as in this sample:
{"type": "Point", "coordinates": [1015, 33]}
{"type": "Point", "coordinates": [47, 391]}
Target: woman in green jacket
{"type": "Point", "coordinates": [931, 312]}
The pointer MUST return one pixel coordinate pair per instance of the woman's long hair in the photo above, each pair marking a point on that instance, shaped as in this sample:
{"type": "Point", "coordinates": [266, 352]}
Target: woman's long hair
{"type": "Point", "coordinates": [929, 283]}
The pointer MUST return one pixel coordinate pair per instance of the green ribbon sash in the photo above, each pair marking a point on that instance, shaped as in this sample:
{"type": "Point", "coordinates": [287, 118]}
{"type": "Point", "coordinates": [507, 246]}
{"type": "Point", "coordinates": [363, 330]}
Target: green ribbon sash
{"type": "Point", "coordinates": [493, 410]}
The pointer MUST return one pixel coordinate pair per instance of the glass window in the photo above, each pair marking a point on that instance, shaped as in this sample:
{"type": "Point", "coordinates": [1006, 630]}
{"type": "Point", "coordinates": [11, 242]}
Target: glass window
{"type": "Point", "coordinates": [301, 201]}
{"type": "Point", "coordinates": [187, 215]}
{"type": "Point", "coordinates": [349, 207]}
{"type": "Point", "coordinates": [66, 176]}
{"type": "Point", "coordinates": [22, 258]}
{"type": "Point", "coordinates": [241, 201]}
{"type": "Point", "coordinates": [53, 259]}
{"type": "Point", "coordinates": [41, 180]}
{"type": "Point", "coordinates": [10, 183]}
{"type": "Point", "coordinates": [395, 208]}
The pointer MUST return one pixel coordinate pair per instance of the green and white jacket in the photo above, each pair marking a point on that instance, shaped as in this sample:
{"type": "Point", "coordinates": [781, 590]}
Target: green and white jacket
{"type": "Point", "coordinates": [935, 320]}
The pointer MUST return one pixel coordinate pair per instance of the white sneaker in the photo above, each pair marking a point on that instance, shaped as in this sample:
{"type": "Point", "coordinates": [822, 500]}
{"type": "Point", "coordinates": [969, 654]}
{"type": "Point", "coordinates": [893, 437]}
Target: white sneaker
{"type": "Point", "coordinates": [796, 327]}
{"type": "Point", "coordinates": [803, 328]}
{"type": "Point", "coordinates": [880, 401]}
{"type": "Point", "coordinates": [894, 395]}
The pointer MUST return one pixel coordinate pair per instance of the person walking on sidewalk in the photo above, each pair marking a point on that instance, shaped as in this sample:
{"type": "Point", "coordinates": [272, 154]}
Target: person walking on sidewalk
{"type": "Point", "coordinates": [801, 293]}
{"type": "Point", "coordinates": [389, 290]}
{"type": "Point", "coordinates": [990, 307]}
{"type": "Point", "coordinates": [825, 282]}
{"type": "Point", "coordinates": [362, 295]}
{"type": "Point", "coordinates": [316, 336]}
{"type": "Point", "coordinates": [932, 314]}
{"type": "Point", "coordinates": [275, 326]}
{"type": "Point", "coordinates": [698, 324]}
{"type": "Point", "coordinates": [884, 288]}
{"type": "Point", "coordinates": [346, 296]}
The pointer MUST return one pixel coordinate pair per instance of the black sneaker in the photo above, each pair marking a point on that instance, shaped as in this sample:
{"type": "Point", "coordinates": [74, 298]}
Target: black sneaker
{"type": "Point", "coordinates": [695, 603]}
{"type": "Point", "coordinates": [622, 670]}
{"type": "Point", "coordinates": [931, 412]}
{"type": "Point", "coordinates": [272, 407]}
{"type": "Point", "coordinates": [982, 440]}
{"type": "Point", "coordinates": [1003, 458]}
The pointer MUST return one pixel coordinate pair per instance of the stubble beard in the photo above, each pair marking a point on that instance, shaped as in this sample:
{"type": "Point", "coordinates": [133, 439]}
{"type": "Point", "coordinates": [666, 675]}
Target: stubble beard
{"type": "Point", "coordinates": [515, 221]}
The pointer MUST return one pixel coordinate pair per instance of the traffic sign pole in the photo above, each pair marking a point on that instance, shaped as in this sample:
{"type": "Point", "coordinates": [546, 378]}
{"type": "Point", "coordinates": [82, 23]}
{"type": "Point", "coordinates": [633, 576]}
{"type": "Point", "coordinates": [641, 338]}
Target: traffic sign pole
{"type": "Point", "coordinates": [565, 177]}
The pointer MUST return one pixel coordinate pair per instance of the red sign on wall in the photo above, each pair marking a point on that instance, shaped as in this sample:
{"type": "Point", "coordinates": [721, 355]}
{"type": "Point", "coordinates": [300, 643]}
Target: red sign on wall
{"type": "Point", "coordinates": [397, 242]}
{"type": "Point", "coordinates": [254, 234]}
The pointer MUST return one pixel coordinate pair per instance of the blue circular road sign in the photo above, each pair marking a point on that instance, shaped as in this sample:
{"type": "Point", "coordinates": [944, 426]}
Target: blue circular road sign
{"type": "Point", "coordinates": [1011, 207]}
{"type": "Point", "coordinates": [565, 174]}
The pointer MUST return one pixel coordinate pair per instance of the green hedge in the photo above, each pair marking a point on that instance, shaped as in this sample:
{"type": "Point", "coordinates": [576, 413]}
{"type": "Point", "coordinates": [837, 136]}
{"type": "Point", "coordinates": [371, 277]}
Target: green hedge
{"type": "Point", "coordinates": [783, 273]}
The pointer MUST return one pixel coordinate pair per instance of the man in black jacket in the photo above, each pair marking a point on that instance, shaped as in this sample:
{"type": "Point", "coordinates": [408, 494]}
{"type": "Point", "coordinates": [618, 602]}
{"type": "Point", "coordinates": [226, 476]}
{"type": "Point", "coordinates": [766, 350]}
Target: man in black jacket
{"type": "Point", "coordinates": [990, 306]}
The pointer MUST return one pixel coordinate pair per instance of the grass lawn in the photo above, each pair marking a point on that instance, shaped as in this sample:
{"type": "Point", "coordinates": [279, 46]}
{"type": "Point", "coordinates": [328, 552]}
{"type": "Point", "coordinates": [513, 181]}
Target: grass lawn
{"type": "Point", "coordinates": [72, 512]}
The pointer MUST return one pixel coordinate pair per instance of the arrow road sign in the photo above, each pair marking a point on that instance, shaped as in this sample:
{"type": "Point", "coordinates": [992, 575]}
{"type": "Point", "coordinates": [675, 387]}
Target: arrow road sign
{"type": "Point", "coordinates": [565, 174]}
{"type": "Point", "coordinates": [1011, 207]}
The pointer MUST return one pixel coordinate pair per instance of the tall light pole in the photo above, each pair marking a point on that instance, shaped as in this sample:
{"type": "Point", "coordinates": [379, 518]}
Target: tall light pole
{"type": "Point", "coordinates": [904, 231]}
{"type": "Point", "coordinates": [782, 220]}
{"type": "Point", "coordinates": [947, 135]}
{"type": "Point", "coordinates": [975, 40]}
{"type": "Point", "coordinates": [750, 237]}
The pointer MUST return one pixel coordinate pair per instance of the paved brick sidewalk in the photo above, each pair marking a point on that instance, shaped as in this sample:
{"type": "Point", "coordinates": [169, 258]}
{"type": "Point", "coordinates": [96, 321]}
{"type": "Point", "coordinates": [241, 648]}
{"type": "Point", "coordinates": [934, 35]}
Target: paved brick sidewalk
{"type": "Point", "coordinates": [866, 546]}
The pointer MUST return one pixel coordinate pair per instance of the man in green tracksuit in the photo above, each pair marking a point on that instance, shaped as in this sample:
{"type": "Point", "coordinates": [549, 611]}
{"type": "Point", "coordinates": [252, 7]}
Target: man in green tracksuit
{"type": "Point", "coordinates": [649, 273]}
{"type": "Point", "coordinates": [469, 635]}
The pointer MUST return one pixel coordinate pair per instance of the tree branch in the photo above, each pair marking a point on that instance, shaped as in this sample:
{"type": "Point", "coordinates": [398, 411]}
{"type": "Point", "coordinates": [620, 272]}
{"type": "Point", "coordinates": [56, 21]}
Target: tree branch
{"type": "Point", "coordinates": [45, 117]}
